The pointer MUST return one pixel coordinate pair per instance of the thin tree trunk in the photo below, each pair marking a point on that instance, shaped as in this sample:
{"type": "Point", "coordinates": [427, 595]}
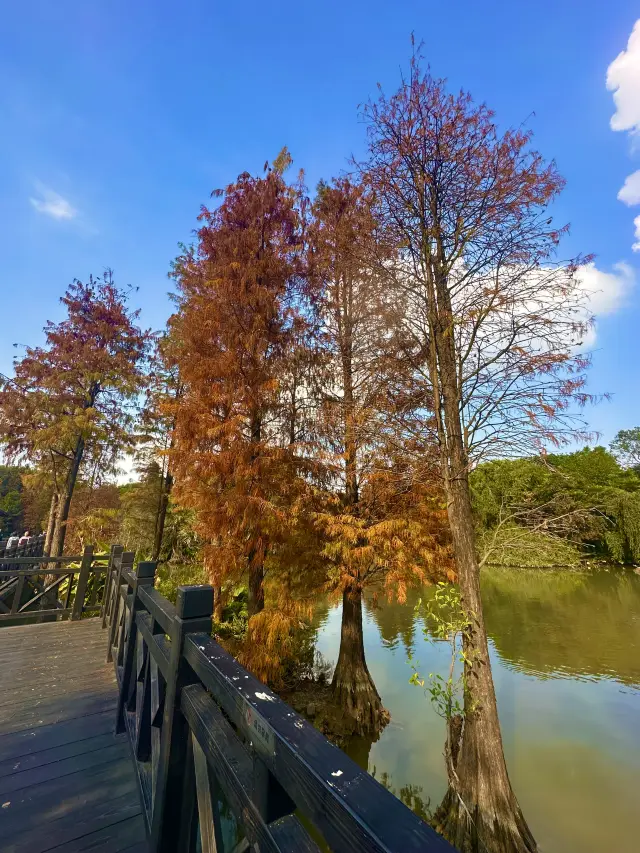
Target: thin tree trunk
{"type": "Point", "coordinates": [48, 601]}
{"type": "Point", "coordinates": [256, 565]}
{"type": "Point", "coordinates": [217, 603]}
{"type": "Point", "coordinates": [480, 810]}
{"type": "Point", "coordinates": [48, 540]}
{"type": "Point", "coordinates": [167, 485]}
{"type": "Point", "coordinates": [256, 588]}
{"type": "Point", "coordinates": [352, 685]}
{"type": "Point", "coordinates": [64, 505]}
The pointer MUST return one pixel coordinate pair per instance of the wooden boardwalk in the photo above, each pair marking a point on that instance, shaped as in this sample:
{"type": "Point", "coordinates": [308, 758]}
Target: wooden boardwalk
{"type": "Point", "coordinates": [67, 783]}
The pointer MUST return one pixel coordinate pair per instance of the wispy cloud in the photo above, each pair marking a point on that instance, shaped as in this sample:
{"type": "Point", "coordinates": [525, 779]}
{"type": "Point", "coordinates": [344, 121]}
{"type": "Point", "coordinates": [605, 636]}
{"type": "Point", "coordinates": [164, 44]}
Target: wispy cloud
{"type": "Point", "coordinates": [52, 204]}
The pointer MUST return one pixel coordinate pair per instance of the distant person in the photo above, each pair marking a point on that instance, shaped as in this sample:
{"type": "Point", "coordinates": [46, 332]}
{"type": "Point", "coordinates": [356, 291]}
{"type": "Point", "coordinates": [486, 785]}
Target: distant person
{"type": "Point", "coordinates": [12, 541]}
{"type": "Point", "coordinates": [24, 538]}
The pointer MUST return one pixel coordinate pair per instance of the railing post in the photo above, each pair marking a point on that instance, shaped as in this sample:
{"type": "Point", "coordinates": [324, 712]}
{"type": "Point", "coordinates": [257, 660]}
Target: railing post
{"type": "Point", "coordinates": [194, 608]}
{"type": "Point", "coordinates": [144, 576]}
{"type": "Point", "coordinates": [83, 580]}
{"type": "Point", "coordinates": [125, 561]}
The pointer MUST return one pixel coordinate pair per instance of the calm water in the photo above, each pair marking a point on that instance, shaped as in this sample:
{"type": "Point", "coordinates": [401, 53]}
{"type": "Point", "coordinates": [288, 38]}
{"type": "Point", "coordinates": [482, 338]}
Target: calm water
{"type": "Point", "coordinates": [565, 650]}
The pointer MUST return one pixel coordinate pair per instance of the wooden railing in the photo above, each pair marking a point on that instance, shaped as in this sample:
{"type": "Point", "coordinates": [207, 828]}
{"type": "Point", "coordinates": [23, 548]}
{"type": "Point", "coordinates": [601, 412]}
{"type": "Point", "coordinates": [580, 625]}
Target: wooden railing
{"type": "Point", "coordinates": [222, 763]}
{"type": "Point", "coordinates": [33, 587]}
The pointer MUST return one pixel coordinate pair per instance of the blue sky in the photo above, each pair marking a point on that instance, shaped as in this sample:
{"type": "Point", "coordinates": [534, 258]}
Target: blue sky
{"type": "Point", "coordinates": [119, 118]}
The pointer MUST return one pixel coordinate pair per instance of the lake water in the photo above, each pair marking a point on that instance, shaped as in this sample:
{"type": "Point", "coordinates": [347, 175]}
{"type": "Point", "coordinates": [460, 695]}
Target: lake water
{"type": "Point", "coordinates": [565, 652]}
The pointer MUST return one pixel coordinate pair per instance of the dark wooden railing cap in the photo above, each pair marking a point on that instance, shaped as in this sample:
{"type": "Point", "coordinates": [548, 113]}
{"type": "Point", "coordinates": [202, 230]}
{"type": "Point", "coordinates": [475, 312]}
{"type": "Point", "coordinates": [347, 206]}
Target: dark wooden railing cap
{"type": "Point", "coordinates": [146, 569]}
{"type": "Point", "coordinates": [194, 602]}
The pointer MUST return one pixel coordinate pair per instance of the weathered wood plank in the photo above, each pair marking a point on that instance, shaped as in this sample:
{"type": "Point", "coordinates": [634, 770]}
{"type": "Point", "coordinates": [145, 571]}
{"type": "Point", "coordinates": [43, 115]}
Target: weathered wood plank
{"type": "Point", "coordinates": [122, 837]}
{"type": "Point", "coordinates": [33, 740]}
{"type": "Point", "coordinates": [55, 673]}
{"type": "Point", "coordinates": [35, 657]}
{"type": "Point", "coordinates": [41, 690]}
{"type": "Point", "coordinates": [55, 629]}
{"type": "Point", "coordinates": [90, 819]}
{"type": "Point", "coordinates": [52, 798]}
{"type": "Point", "coordinates": [99, 757]}
{"type": "Point", "coordinates": [58, 753]}
{"type": "Point", "coordinates": [57, 711]}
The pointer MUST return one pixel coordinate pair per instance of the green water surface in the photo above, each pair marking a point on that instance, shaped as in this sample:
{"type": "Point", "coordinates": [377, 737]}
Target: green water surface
{"type": "Point", "coordinates": [565, 651]}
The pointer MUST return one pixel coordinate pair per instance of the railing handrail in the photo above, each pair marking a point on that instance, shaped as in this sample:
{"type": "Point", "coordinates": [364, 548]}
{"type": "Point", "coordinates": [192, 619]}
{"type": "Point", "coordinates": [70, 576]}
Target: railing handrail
{"type": "Point", "coordinates": [200, 724]}
{"type": "Point", "coordinates": [39, 559]}
{"type": "Point", "coordinates": [32, 586]}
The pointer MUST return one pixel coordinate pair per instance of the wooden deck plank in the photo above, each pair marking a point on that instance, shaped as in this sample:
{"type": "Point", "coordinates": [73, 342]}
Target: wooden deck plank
{"type": "Point", "coordinates": [128, 835]}
{"type": "Point", "coordinates": [30, 740]}
{"type": "Point", "coordinates": [67, 783]}
{"type": "Point", "coordinates": [49, 713]}
{"type": "Point", "coordinates": [55, 754]}
{"type": "Point", "coordinates": [32, 693]}
{"type": "Point", "coordinates": [65, 767]}
{"type": "Point", "coordinates": [50, 836]}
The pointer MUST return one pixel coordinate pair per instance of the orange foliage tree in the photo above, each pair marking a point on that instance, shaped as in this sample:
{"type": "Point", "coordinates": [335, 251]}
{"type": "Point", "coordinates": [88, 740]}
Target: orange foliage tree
{"type": "Point", "coordinates": [376, 528]}
{"type": "Point", "coordinates": [71, 402]}
{"type": "Point", "coordinates": [237, 319]}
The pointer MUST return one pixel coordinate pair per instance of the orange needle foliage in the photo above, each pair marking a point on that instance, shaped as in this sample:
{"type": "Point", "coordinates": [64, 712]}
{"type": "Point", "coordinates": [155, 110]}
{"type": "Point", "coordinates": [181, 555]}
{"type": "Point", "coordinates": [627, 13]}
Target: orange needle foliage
{"type": "Point", "coordinates": [377, 529]}
{"type": "Point", "coordinates": [235, 326]}
{"type": "Point", "coordinates": [70, 400]}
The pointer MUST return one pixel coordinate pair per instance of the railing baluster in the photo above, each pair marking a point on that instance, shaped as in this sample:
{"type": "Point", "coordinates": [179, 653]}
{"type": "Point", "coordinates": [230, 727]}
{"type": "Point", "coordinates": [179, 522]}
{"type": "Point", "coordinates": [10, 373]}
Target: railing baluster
{"type": "Point", "coordinates": [207, 797]}
{"type": "Point", "coordinates": [124, 562]}
{"type": "Point", "coordinates": [194, 609]}
{"type": "Point", "coordinates": [17, 595]}
{"type": "Point", "coordinates": [144, 576]}
{"type": "Point", "coordinates": [143, 703]}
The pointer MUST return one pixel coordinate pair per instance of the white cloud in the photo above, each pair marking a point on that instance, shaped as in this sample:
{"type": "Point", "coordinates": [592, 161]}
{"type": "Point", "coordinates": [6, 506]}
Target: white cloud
{"type": "Point", "coordinates": [623, 79]}
{"type": "Point", "coordinates": [52, 204]}
{"type": "Point", "coordinates": [630, 192]}
{"type": "Point", "coordinates": [607, 290]}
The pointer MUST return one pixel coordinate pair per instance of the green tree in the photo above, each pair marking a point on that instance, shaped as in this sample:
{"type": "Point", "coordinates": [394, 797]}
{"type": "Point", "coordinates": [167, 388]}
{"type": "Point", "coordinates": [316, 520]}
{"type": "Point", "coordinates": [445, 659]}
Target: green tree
{"type": "Point", "coordinates": [626, 448]}
{"type": "Point", "coordinates": [556, 509]}
{"type": "Point", "coordinates": [11, 504]}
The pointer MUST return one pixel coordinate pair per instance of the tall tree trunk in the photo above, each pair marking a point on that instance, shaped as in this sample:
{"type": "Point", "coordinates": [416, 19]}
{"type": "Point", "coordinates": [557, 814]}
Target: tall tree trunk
{"type": "Point", "coordinates": [256, 564]}
{"type": "Point", "coordinates": [480, 810]}
{"type": "Point", "coordinates": [217, 603]}
{"type": "Point", "coordinates": [256, 588]}
{"type": "Point", "coordinates": [352, 685]}
{"type": "Point", "coordinates": [49, 601]}
{"type": "Point", "coordinates": [64, 504]}
{"type": "Point", "coordinates": [165, 491]}
{"type": "Point", "coordinates": [51, 524]}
